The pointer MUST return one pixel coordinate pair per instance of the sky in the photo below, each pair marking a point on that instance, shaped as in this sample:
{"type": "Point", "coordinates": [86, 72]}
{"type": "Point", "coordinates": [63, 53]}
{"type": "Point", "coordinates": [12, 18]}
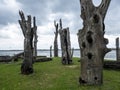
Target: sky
{"type": "Point", "coordinates": [46, 11]}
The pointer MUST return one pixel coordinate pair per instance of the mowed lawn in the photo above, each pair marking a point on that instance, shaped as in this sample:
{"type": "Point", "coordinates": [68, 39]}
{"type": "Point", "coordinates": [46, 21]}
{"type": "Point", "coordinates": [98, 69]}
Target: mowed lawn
{"type": "Point", "coordinates": [52, 75]}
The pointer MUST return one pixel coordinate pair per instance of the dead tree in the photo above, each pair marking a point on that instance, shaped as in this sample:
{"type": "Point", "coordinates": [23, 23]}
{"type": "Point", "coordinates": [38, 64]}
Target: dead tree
{"type": "Point", "coordinates": [51, 51]}
{"type": "Point", "coordinates": [55, 40]}
{"type": "Point", "coordinates": [92, 42]}
{"type": "Point", "coordinates": [65, 44]}
{"type": "Point", "coordinates": [72, 51]}
{"type": "Point", "coordinates": [117, 49]}
{"type": "Point", "coordinates": [29, 33]}
{"type": "Point", "coordinates": [34, 38]}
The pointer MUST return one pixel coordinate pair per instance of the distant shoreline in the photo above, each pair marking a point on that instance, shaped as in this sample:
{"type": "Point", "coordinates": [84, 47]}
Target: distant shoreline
{"type": "Point", "coordinates": [46, 49]}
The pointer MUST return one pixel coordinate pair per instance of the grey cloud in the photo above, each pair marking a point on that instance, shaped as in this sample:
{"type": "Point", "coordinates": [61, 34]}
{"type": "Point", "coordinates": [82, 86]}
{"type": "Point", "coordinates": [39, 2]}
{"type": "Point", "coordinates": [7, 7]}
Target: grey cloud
{"type": "Point", "coordinates": [66, 6]}
{"type": "Point", "coordinates": [112, 18]}
{"type": "Point", "coordinates": [4, 36]}
{"type": "Point", "coordinates": [43, 8]}
{"type": "Point", "coordinates": [7, 17]}
{"type": "Point", "coordinates": [39, 8]}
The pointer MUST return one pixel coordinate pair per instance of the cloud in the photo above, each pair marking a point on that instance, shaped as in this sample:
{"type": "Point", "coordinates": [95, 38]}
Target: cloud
{"type": "Point", "coordinates": [96, 2]}
{"type": "Point", "coordinates": [10, 31]}
{"type": "Point", "coordinates": [112, 38]}
{"type": "Point", "coordinates": [11, 37]}
{"type": "Point", "coordinates": [46, 11]}
{"type": "Point", "coordinates": [8, 11]}
{"type": "Point", "coordinates": [112, 18]}
{"type": "Point", "coordinates": [9, 5]}
{"type": "Point", "coordinates": [45, 41]}
{"type": "Point", "coordinates": [39, 8]}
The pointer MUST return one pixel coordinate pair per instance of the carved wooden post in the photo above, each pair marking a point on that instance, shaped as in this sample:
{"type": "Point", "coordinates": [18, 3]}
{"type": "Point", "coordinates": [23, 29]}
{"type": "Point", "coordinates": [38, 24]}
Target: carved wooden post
{"type": "Point", "coordinates": [92, 42]}
{"type": "Point", "coordinates": [65, 44]}
{"type": "Point", "coordinates": [28, 32]}
{"type": "Point", "coordinates": [117, 49]}
{"type": "Point", "coordinates": [55, 40]}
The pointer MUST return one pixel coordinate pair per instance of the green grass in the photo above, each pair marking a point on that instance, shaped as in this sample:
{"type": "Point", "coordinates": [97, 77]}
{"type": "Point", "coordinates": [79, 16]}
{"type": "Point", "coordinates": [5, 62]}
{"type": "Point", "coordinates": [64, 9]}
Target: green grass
{"type": "Point", "coordinates": [52, 76]}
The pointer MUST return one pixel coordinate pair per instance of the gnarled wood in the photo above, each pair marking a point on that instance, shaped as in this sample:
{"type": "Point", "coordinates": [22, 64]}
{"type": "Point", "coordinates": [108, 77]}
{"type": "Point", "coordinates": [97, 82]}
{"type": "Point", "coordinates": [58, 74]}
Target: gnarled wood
{"type": "Point", "coordinates": [92, 42]}
{"type": "Point", "coordinates": [55, 40]}
{"type": "Point", "coordinates": [65, 45]}
{"type": "Point", "coordinates": [51, 51]}
{"type": "Point", "coordinates": [29, 33]}
{"type": "Point", "coordinates": [34, 38]}
{"type": "Point", "coordinates": [117, 50]}
{"type": "Point", "coordinates": [72, 51]}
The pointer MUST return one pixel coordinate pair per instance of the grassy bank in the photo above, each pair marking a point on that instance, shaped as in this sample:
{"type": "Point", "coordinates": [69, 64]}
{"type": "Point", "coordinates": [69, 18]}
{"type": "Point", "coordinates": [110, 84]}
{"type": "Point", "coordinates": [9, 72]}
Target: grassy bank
{"type": "Point", "coordinates": [52, 76]}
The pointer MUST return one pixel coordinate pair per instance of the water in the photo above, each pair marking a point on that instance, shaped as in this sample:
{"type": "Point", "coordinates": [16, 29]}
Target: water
{"type": "Point", "coordinates": [111, 55]}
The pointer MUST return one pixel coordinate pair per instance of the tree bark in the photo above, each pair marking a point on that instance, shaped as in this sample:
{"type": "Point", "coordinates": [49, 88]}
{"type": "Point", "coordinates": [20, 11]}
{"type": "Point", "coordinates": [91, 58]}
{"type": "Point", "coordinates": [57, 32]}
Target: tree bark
{"type": "Point", "coordinates": [92, 42]}
{"type": "Point", "coordinates": [55, 40]}
{"type": "Point", "coordinates": [65, 45]}
{"type": "Point", "coordinates": [117, 49]}
{"type": "Point", "coordinates": [35, 38]}
{"type": "Point", "coordinates": [72, 51]}
{"type": "Point", "coordinates": [29, 33]}
{"type": "Point", "coordinates": [51, 51]}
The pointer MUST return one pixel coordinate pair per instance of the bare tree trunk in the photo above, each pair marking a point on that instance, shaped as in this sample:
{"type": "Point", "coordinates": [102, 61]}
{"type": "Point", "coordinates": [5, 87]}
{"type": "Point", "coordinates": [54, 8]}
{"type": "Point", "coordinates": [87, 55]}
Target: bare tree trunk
{"type": "Point", "coordinates": [55, 40]}
{"type": "Point", "coordinates": [51, 51]}
{"type": "Point", "coordinates": [65, 45]}
{"type": "Point", "coordinates": [35, 38]}
{"type": "Point", "coordinates": [28, 32]}
{"type": "Point", "coordinates": [92, 42]}
{"type": "Point", "coordinates": [117, 49]}
{"type": "Point", "coordinates": [72, 51]}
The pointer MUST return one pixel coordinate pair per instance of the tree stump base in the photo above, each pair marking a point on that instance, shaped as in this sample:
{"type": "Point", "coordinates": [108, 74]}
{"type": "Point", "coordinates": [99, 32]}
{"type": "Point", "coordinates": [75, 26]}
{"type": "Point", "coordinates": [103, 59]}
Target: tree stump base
{"type": "Point", "coordinates": [26, 69]}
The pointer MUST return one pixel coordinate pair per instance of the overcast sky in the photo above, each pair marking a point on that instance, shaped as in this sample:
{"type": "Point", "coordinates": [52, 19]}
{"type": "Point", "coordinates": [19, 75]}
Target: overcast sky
{"type": "Point", "coordinates": [46, 11]}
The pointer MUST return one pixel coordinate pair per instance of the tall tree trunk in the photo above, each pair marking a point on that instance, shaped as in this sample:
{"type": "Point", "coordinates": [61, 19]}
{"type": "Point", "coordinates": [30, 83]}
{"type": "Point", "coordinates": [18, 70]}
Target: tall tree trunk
{"type": "Point", "coordinates": [35, 38]}
{"type": "Point", "coordinates": [117, 49]}
{"type": "Point", "coordinates": [28, 32]}
{"type": "Point", "coordinates": [65, 45]}
{"type": "Point", "coordinates": [72, 51]}
{"type": "Point", "coordinates": [92, 42]}
{"type": "Point", "coordinates": [55, 40]}
{"type": "Point", "coordinates": [51, 51]}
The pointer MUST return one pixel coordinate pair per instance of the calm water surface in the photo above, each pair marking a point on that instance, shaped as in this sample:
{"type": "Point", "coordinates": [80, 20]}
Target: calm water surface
{"type": "Point", "coordinates": [111, 55]}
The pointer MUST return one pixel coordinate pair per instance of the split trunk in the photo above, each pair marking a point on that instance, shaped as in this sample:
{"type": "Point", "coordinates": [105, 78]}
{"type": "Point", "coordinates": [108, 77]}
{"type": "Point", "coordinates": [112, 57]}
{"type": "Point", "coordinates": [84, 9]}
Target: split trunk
{"type": "Point", "coordinates": [28, 32]}
{"type": "Point", "coordinates": [65, 46]}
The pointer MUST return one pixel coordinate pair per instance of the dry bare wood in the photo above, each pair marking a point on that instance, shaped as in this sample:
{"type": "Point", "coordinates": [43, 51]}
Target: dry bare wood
{"type": "Point", "coordinates": [92, 42]}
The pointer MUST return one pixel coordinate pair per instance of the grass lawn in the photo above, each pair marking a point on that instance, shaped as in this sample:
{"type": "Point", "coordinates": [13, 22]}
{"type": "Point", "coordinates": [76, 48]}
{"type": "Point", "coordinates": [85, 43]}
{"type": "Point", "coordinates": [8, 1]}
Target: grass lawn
{"type": "Point", "coordinates": [52, 75]}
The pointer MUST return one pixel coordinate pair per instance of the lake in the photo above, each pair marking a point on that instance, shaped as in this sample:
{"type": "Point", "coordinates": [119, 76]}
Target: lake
{"type": "Point", "coordinates": [111, 55]}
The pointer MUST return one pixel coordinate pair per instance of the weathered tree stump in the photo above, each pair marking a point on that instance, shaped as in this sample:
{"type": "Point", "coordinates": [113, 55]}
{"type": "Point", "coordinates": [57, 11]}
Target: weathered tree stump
{"type": "Point", "coordinates": [117, 50]}
{"type": "Point", "coordinates": [51, 51]}
{"type": "Point", "coordinates": [55, 40]}
{"type": "Point", "coordinates": [29, 33]}
{"type": "Point", "coordinates": [72, 52]}
{"type": "Point", "coordinates": [34, 39]}
{"type": "Point", "coordinates": [92, 42]}
{"type": "Point", "coordinates": [65, 44]}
